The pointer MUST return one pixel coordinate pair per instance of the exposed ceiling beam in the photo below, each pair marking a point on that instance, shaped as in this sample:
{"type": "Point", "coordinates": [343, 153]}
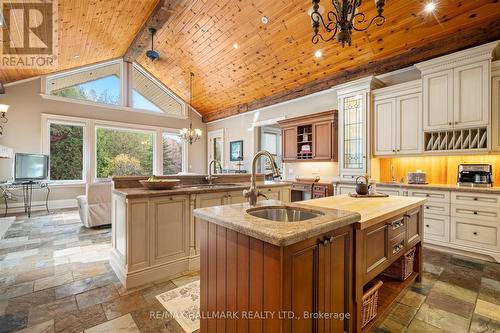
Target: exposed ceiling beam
{"type": "Point", "coordinates": [461, 40]}
{"type": "Point", "coordinates": [142, 41]}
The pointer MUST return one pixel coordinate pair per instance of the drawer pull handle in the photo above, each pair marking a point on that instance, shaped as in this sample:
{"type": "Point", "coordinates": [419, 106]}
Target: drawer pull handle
{"type": "Point", "coordinates": [427, 207]}
{"type": "Point", "coordinates": [427, 195]}
{"type": "Point", "coordinates": [475, 199]}
{"type": "Point", "coordinates": [475, 213]}
{"type": "Point", "coordinates": [427, 226]}
{"type": "Point", "coordinates": [475, 233]}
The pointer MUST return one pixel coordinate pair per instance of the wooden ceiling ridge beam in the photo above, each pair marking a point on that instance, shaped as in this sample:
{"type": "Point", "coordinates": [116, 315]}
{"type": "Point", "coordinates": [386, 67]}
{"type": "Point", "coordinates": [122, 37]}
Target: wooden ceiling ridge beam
{"type": "Point", "coordinates": [158, 18]}
{"type": "Point", "coordinates": [460, 40]}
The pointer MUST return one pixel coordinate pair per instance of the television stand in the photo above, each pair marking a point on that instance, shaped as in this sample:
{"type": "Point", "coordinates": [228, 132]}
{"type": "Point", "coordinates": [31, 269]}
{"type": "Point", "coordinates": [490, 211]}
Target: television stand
{"type": "Point", "coordinates": [27, 188]}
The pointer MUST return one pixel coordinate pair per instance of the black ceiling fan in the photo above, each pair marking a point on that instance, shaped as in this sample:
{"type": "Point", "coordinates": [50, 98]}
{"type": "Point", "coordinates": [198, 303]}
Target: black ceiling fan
{"type": "Point", "coordinates": [152, 54]}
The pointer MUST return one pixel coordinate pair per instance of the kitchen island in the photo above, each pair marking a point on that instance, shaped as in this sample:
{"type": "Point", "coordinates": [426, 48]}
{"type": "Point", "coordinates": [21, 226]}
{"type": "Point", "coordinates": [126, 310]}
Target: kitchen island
{"type": "Point", "coordinates": [155, 234]}
{"type": "Point", "coordinates": [303, 276]}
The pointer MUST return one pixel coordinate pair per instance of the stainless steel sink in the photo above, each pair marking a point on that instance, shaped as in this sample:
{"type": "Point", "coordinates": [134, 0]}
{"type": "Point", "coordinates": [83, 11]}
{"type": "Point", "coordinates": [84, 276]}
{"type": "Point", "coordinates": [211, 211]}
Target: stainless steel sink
{"type": "Point", "coordinates": [284, 213]}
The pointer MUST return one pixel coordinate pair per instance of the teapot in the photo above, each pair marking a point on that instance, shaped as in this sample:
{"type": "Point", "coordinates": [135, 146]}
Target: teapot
{"type": "Point", "coordinates": [362, 188]}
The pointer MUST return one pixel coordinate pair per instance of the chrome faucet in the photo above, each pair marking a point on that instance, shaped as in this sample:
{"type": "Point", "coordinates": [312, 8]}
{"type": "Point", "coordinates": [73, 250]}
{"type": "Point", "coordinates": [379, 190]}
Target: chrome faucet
{"type": "Point", "coordinates": [253, 193]}
{"type": "Point", "coordinates": [210, 176]}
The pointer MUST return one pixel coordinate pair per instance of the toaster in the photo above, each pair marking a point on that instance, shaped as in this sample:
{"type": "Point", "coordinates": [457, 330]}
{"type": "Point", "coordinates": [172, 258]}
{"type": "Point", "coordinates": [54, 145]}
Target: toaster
{"type": "Point", "coordinates": [418, 177]}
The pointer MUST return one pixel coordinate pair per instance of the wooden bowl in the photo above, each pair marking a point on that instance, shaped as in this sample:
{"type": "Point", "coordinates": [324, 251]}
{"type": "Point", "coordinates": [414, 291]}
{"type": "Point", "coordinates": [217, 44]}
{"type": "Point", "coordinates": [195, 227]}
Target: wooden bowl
{"type": "Point", "coordinates": [160, 184]}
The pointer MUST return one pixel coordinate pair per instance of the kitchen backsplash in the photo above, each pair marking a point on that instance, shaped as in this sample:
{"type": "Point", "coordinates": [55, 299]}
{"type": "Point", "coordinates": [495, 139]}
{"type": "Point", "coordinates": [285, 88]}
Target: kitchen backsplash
{"type": "Point", "coordinates": [326, 170]}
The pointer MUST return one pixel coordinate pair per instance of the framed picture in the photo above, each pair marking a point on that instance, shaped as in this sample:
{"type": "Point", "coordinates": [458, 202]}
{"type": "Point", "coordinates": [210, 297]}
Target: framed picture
{"type": "Point", "coordinates": [236, 151]}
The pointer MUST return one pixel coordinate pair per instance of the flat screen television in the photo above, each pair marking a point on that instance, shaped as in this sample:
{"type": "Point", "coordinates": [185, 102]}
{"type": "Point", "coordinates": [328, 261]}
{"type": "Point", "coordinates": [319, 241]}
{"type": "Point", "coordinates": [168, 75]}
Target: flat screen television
{"type": "Point", "coordinates": [31, 167]}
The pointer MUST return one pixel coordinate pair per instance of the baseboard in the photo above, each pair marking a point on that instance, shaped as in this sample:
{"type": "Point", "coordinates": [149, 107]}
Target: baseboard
{"type": "Point", "coordinates": [165, 271]}
{"type": "Point", "coordinates": [18, 207]}
{"type": "Point", "coordinates": [464, 251]}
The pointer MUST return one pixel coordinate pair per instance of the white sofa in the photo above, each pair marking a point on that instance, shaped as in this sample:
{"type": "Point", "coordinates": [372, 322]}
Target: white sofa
{"type": "Point", "coordinates": [95, 207]}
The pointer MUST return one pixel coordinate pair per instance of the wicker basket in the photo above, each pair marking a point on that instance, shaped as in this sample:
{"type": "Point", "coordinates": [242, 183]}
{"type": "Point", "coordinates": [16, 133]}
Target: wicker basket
{"type": "Point", "coordinates": [402, 268]}
{"type": "Point", "coordinates": [370, 302]}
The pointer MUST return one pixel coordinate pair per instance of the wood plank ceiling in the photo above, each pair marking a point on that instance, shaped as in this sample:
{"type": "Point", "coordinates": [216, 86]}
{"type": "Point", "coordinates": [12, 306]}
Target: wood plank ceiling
{"type": "Point", "coordinates": [90, 32]}
{"type": "Point", "coordinates": [271, 60]}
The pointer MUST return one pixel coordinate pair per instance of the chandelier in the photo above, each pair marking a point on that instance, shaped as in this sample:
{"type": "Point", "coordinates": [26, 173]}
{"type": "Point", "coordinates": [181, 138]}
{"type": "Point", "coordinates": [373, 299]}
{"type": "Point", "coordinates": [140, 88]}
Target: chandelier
{"type": "Point", "coordinates": [189, 134]}
{"type": "Point", "coordinates": [342, 21]}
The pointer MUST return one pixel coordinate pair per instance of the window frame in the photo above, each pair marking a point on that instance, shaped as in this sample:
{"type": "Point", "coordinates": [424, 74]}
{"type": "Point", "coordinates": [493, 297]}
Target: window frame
{"type": "Point", "coordinates": [90, 151]}
{"type": "Point", "coordinates": [47, 121]}
{"type": "Point", "coordinates": [108, 126]}
{"type": "Point", "coordinates": [184, 150]}
{"type": "Point", "coordinates": [126, 102]}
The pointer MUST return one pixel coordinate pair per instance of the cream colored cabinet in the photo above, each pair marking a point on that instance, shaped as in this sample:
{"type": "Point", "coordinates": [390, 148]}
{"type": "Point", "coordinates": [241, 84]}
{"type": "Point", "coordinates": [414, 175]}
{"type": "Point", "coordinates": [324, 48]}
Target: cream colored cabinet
{"type": "Point", "coordinates": [438, 100]}
{"type": "Point", "coordinates": [398, 118]}
{"type": "Point", "coordinates": [495, 106]}
{"type": "Point", "coordinates": [168, 230]}
{"type": "Point", "coordinates": [456, 89]}
{"type": "Point", "coordinates": [471, 87]}
{"type": "Point", "coordinates": [235, 197]}
{"type": "Point", "coordinates": [385, 123]}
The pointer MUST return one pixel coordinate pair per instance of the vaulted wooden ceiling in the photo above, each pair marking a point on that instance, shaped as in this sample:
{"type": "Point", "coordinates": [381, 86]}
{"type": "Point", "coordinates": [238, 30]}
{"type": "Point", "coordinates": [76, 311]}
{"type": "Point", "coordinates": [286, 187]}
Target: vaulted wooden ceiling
{"type": "Point", "coordinates": [90, 32]}
{"type": "Point", "coordinates": [273, 62]}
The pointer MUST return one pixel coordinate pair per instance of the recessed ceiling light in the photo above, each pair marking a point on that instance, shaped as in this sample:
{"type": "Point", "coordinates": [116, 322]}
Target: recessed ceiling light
{"type": "Point", "coordinates": [430, 7]}
{"type": "Point", "coordinates": [235, 45]}
{"type": "Point", "coordinates": [318, 54]}
{"type": "Point", "coordinates": [264, 19]}
{"type": "Point", "coordinates": [76, 57]}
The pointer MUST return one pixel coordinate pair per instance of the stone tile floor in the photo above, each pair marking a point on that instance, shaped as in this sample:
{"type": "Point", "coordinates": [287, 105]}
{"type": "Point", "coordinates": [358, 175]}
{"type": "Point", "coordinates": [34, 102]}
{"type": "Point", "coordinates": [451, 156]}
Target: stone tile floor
{"type": "Point", "coordinates": [55, 277]}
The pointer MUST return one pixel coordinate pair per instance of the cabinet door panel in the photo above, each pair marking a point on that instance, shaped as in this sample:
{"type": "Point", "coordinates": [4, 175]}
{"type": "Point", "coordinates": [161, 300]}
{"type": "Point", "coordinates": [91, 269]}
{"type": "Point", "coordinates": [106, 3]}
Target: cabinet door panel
{"type": "Point", "coordinates": [376, 243]}
{"type": "Point", "coordinates": [409, 128]}
{"type": "Point", "coordinates": [169, 229]}
{"type": "Point", "coordinates": [289, 143]}
{"type": "Point", "coordinates": [495, 110]}
{"type": "Point", "coordinates": [322, 142]}
{"type": "Point", "coordinates": [385, 113]}
{"type": "Point", "coordinates": [413, 221]}
{"type": "Point", "coordinates": [138, 254]}
{"type": "Point", "coordinates": [438, 100]}
{"type": "Point", "coordinates": [471, 95]}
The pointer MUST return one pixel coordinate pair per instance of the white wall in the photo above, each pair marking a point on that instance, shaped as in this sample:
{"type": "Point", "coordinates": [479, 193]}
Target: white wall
{"type": "Point", "coordinates": [241, 127]}
{"type": "Point", "coordinates": [23, 131]}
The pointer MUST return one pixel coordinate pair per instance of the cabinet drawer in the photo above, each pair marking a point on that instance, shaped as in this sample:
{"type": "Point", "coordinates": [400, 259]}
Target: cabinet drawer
{"type": "Point", "coordinates": [436, 207]}
{"type": "Point", "coordinates": [388, 190]}
{"type": "Point", "coordinates": [301, 187]}
{"type": "Point", "coordinates": [476, 212]}
{"type": "Point", "coordinates": [478, 199]}
{"type": "Point", "coordinates": [432, 196]}
{"type": "Point", "coordinates": [397, 245]}
{"type": "Point", "coordinates": [396, 227]}
{"type": "Point", "coordinates": [437, 227]}
{"type": "Point", "coordinates": [474, 234]}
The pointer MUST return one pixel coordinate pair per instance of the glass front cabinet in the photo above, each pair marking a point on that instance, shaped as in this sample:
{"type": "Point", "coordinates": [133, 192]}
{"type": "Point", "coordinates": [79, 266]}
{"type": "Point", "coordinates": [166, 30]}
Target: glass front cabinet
{"type": "Point", "coordinates": [354, 126]}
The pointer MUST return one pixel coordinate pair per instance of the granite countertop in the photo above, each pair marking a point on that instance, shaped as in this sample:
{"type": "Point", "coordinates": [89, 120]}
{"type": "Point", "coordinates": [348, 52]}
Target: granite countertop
{"type": "Point", "coordinates": [437, 187]}
{"type": "Point", "coordinates": [236, 218]}
{"type": "Point", "coordinates": [141, 192]}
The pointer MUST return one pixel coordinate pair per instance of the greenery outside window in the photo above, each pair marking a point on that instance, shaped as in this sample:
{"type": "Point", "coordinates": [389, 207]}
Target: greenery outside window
{"type": "Point", "coordinates": [124, 152]}
{"type": "Point", "coordinates": [66, 149]}
{"type": "Point", "coordinates": [173, 154]}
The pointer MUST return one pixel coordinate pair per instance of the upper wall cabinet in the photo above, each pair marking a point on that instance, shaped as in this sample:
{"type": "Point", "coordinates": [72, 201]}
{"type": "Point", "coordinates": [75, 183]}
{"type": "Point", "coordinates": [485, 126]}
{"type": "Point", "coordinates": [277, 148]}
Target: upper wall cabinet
{"type": "Point", "coordinates": [310, 138]}
{"type": "Point", "coordinates": [456, 89]}
{"type": "Point", "coordinates": [354, 139]}
{"type": "Point", "coordinates": [397, 118]}
{"type": "Point", "coordinates": [495, 106]}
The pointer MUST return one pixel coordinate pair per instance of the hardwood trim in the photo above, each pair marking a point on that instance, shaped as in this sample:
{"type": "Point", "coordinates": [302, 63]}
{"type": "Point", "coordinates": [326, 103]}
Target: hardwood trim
{"type": "Point", "coordinates": [159, 16]}
{"type": "Point", "coordinates": [489, 32]}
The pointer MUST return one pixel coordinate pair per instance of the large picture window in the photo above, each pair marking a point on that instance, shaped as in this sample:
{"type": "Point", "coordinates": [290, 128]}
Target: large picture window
{"type": "Point", "coordinates": [123, 152]}
{"type": "Point", "coordinates": [66, 145]}
{"type": "Point", "coordinates": [172, 153]}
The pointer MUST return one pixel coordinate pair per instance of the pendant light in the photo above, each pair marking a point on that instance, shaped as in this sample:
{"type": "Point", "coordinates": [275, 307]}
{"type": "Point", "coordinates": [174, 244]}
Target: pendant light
{"type": "Point", "coordinates": [189, 134]}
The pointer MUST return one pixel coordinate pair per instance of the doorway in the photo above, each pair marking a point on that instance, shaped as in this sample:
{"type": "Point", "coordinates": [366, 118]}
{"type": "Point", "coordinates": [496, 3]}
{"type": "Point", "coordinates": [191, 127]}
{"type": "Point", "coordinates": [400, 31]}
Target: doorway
{"type": "Point", "coordinates": [216, 146]}
{"type": "Point", "coordinates": [270, 140]}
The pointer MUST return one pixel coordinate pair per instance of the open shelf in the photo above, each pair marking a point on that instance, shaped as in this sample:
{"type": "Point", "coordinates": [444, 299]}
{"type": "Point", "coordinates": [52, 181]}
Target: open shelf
{"type": "Point", "coordinates": [387, 295]}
